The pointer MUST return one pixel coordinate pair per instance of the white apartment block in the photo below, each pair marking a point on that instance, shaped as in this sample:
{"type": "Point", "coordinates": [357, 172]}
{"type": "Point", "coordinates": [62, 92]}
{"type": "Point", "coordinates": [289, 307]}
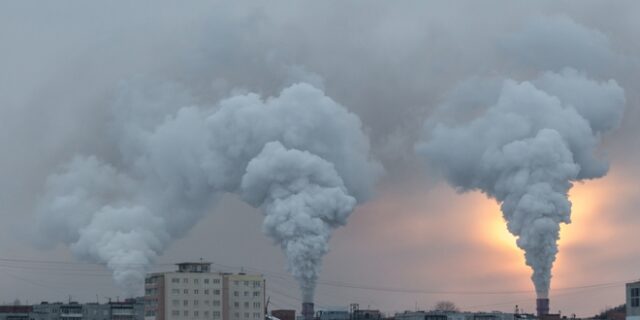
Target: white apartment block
{"type": "Point", "coordinates": [246, 297]}
{"type": "Point", "coordinates": [633, 300]}
{"type": "Point", "coordinates": [193, 292]}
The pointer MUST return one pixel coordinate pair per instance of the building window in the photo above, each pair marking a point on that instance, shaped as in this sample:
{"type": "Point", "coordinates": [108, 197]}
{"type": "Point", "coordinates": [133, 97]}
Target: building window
{"type": "Point", "coordinates": [246, 283]}
{"type": "Point", "coordinates": [256, 284]}
{"type": "Point", "coordinates": [635, 297]}
{"type": "Point", "coordinates": [236, 294]}
{"type": "Point", "coordinates": [195, 291]}
{"type": "Point", "coordinates": [246, 315]}
{"type": "Point", "coordinates": [216, 314]}
{"type": "Point", "coordinates": [175, 313]}
{"type": "Point", "coordinates": [206, 281]}
{"type": "Point", "coordinates": [195, 302]}
{"type": "Point", "coordinates": [256, 315]}
{"type": "Point", "coordinates": [246, 293]}
{"type": "Point", "coordinates": [186, 291]}
{"type": "Point", "coordinates": [236, 304]}
{"type": "Point", "coordinates": [216, 292]}
{"type": "Point", "coordinates": [236, 282]}
{"type": "Point", "coordinates": [196, 313]}
{"type": "Point", "coordinates": [195, 281]}
{"type": "Point", "coordinates": [206, 314]}
{"type": "Point", "coordinates": [175, 280]}
{"type": "Point", "coordinates": [185, 313]}
{"type": "Point", "coordinates": [256, 293]}
{"type": "Point", "coordinates": [246, 305]}
{"type": "Point", "coordinates": [216, 280]}
{"type": "Point", "coordinates": [256, 305]}
{"type": "Point", "coordinates": [185, 302]}
{"type": "Point", "coordinates": [185, 280]}
{"type": "Point", "coordinates": [216, 303]}
{"type": "Point", "coordinates": [206, 291]}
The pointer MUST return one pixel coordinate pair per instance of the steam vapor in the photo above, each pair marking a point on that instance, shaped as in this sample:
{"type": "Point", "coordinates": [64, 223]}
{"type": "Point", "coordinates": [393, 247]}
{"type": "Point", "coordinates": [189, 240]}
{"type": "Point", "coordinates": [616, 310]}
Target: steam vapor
{"type": "Point", "coordinates": [300, 157]}
{"type": "Point", "coordinates": [526, 149]}
{"type": "Point", "coordinates": [526, 143]}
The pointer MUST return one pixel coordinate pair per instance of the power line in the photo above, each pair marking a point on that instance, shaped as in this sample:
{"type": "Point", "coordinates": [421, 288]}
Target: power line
{"type": "Point", "coordinates": [287, 277]}
{"type": "Point", "coordinates": [422, 291]}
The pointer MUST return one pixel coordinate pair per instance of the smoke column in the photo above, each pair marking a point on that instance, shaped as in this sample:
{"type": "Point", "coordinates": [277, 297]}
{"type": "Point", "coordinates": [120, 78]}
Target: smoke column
{"type": "Point", "coordinates": [525, 149]}
{"type": "Point", "coordinates": [300, 157]}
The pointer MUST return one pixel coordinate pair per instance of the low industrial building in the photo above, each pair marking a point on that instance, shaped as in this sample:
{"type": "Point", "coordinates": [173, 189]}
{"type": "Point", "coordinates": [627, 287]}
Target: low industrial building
{"type": "Point", "coordinates": [333, 314]}
{"type": "Point", "coordinates": [284, 314]}
{"type": "Point", "coordinates": [437, 315]}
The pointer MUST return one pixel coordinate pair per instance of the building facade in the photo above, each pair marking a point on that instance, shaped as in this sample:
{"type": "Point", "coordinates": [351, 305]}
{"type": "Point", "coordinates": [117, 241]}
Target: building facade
{"type": "Point", "coordinates": [284, 314]}
{"type": "Point", "coordinates": [194, 292]}
{"type": "Point", "coordinates": [333, 314]}
{"type": "Point", "coordinates": [130, 309]}
{"type": "Point", "coordinates": [58, 311]}
{"type": "Point", "coordinates": [15, 312]}
{"type": "Point", "coordinates": [246, 297]}
{"type": "Point", "coordinates": [435, 315]}
{"type": "Point", "coordinates": [633, 300]}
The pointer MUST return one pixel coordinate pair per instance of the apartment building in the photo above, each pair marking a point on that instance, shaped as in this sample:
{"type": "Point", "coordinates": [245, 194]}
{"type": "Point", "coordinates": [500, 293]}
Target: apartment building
{"type": "Point", "coordinates": [633, 300]}
{"type": "Point", "coordinates": [130, 309]}
{"type": "Point", "coordinates": [15, 312]}
{"type": "Point", "coordinates": [245, 297]}
{"type": "Point", "coordinates": [194, 292]}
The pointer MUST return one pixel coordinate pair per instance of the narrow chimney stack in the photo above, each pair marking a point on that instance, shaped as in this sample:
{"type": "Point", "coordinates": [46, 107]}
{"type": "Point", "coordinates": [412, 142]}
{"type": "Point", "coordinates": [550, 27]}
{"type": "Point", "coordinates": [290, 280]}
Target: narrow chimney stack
{"type": "Point", "coordinates": [307, 310]}
{"type": "Point", "coordinates": [542, 306]}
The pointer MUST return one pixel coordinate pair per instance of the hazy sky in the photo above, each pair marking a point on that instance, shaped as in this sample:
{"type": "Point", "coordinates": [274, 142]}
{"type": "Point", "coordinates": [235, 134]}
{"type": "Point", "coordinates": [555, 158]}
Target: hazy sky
{"type": "Point", "coordinates": [417, 241]}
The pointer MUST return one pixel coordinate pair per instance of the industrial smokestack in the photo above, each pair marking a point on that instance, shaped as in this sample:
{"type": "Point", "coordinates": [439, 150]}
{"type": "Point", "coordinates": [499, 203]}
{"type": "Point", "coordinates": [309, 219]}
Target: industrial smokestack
{"type": "Point", "coordinates": [542, 306]}
{"type": "Point", "coordinates": [307, 310]}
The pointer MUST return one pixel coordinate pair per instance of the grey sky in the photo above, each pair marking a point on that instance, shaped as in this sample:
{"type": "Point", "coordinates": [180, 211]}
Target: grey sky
{"type": "Point", "coordinates": [64, 65]}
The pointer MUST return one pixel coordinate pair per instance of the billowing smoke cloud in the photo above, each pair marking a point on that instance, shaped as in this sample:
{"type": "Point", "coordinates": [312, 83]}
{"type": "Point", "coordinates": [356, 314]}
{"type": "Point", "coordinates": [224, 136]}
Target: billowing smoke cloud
{"type": "Point", "coordinates": [304, 200]}
{"type": "Point", "coordinates": [526, 149]}
{"type": "Point", "coordinates": [525, 143]}
{"type": "Point", "coordinates": [301, 157]}
{"type": "Point", "coordinates": [557, 42]}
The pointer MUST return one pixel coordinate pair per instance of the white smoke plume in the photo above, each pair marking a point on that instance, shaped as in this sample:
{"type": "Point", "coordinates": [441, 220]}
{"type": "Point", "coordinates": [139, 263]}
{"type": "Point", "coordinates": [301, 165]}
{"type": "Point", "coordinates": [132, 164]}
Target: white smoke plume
{"type": "Point", "coordinates": [304, 200]}
{"type": "Point", "coordinates": [301, 157]}
{"type": "Point", "coordinates": [526, 149]}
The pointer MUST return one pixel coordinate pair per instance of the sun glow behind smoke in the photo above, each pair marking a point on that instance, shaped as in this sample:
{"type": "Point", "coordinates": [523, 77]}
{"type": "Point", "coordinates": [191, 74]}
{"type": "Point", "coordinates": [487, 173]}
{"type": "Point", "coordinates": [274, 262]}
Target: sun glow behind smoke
{"type": "Point", "coordinates": [589, 224]}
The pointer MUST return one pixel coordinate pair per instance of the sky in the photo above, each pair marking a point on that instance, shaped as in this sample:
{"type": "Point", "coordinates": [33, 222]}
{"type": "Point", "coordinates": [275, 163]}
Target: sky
{"type": "Point", "coordinates": [417, 240]}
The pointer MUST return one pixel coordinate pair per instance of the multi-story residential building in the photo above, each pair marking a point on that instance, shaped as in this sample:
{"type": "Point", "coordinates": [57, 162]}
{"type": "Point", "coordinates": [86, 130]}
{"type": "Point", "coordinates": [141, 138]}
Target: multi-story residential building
{"type": "Point", "coordinates": [194, 292]}
{"type": "Point", "coordinates": [246, 297]}
{"type": "Point", "coordinates": [58, 311]}
{"type": "Point", "coordinates": [633, 300]}
{"type": "Point", "coordinates": [15, 312]}
{"type": "Point", "coordinates": [130, 309]}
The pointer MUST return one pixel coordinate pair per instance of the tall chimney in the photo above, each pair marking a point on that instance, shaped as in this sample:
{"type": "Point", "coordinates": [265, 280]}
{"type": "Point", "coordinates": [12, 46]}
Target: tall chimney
{"type": "Point", "coordinates": [542, 306]}
{"type": "Point", "coordinates": [307, 310]}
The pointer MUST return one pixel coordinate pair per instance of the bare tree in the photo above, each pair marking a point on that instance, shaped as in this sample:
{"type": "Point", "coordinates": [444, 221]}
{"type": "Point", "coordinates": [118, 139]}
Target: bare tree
{"type": "Point", "coordinates": [445, 306]}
